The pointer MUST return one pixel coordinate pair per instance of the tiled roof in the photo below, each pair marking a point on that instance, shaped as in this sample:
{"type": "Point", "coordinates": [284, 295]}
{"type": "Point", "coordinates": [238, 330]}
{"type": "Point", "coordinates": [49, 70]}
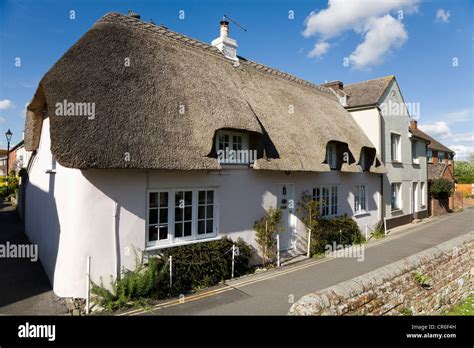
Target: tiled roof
{"type": "Point", "coordinates": [367, 92]}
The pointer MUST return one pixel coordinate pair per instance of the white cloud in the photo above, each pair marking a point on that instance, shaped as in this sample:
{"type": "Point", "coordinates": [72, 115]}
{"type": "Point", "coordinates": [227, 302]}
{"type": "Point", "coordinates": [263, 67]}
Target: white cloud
{"type": "Point", "coordinates": [2, 120]}
{"type": "Point", "coordinates": [381, 35]}
{"type": "Point", "coordinates": [463, 137]}
{"type": "Point", "coordinates": [359, 16]}
{"type": "Point", "coordinates": [437, 129]}
{"type": "Point", "coordinates": [319, 49]}
{"type": "Point", "coordinates": [442, 16]}
{"type": "Point", "coordinates": [462, 151]}
{"type": "Point", "coordinates": [6, 104]}
{"type": "Point", "coordinates": [462, 115]}
{"type": "Point", "coordinates": [23, 112]}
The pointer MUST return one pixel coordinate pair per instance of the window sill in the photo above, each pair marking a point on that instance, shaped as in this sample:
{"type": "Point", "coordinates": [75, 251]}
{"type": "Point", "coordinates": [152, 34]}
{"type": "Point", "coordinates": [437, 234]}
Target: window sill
{"type": "Point", "coordinates": [165, 246]}
{"type": "Point", "coordinates": [396, 211]}
{"type": "Point", "coordinates": [361, 214]}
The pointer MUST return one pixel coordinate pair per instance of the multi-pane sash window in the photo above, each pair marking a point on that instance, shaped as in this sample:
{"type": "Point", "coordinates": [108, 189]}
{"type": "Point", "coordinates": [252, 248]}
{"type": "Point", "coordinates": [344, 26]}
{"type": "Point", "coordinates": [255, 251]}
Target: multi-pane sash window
{"type": "Point", "coordinates": [206, 212]}
{"type": "Point", "coordinates": [327, 198]}
{"type": "Point", "coordinates": [441, 157]}
{"type": "Point", "coordinates": [395, 147]}
{"type": "Point", "coordinates": [181, 215]}
{"type": "Point", "coordinates": [158, 216]}
{"type": "Point", "coordinates": [360, 200]}
{"type": "Point", "coordinates": [232, 148]}
{"type": "Point", "coordinates": [331, 155]}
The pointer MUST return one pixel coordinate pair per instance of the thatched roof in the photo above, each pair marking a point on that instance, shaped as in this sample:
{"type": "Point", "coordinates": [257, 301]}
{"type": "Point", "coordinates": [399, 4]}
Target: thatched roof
{"type": "Point", "coordinates": [367, 93]}
{"type": "Point", "coordinates": [137, 108]}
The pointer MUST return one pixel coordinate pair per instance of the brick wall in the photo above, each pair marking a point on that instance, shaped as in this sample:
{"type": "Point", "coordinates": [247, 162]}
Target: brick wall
{"type": "Point", "coordinates": [439, 206]}
{"type": "Point", "coordinates": [393, 290]}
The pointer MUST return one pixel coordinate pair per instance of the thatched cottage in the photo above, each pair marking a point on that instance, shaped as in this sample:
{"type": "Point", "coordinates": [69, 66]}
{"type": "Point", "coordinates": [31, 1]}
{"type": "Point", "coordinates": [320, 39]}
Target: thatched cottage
{"type": "Point", "coordinates": [130, 131]}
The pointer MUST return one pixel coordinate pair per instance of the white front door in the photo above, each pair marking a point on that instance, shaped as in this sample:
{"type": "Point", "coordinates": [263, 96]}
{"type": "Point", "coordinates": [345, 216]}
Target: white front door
{"type": "Point", "coordinates": [414, 199]}
{"type": "Point", "coordinates": [286, 202]}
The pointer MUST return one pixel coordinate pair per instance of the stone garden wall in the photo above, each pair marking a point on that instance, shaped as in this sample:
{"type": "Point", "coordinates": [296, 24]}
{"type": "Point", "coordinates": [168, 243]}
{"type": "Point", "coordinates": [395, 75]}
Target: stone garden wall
{"type": "Point", "coordinates": [448, 275]}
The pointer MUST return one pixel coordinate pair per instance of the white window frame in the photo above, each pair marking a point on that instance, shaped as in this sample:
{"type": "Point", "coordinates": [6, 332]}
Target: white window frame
{"type": "Point", "coordinates": [245, 146]}
{"type": "Point", "coordinates": [398, 197]}
{"type": "Point", "coordinates": [331, 155]}
{"type": "Point", "coordinates": [414, 153]}
{"type": "Point", "coordinates": [429, 155]}
{"type": "Point", "coordinates": [331, 197]}
{"type": "Point", "coordinates": [357, 200]}
{"type": "Point", "coordinates": [439, 157]}
{"type": "Point", "coordinates": [194, 237]}
{"type": "Point", "coordinates": [423, 194]}
{"type": "Point", "coordinates": [398, 157]}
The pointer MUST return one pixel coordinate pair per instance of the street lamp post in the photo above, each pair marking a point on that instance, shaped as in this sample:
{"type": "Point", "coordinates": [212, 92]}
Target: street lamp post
{"type": "Point", "coordinates": [8, 135]}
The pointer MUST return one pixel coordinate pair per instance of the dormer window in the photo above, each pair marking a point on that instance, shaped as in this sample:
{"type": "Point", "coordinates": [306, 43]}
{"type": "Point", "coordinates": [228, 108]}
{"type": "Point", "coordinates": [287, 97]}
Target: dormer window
{"type": "Point", "coordinates": [331, 157]}
{"type": "Point", "coordinates": [233, 148]}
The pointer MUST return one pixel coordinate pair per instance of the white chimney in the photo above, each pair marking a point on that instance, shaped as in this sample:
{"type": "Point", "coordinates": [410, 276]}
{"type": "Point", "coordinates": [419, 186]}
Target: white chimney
{"type": "Point", "coordinates": [225, 44]}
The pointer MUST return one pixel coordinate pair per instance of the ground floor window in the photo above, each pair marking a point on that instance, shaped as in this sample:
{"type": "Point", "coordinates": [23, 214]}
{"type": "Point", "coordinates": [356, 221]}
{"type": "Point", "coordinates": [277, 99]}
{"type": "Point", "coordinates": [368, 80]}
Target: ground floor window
{"type": "Point", "coordinates": [180, 215]}
{"type": "Point", "coordinates": [327, 198]}
{"type": "Point", "coordinates": [360, 199]}
{"type": "Point", "coordinates": [396, 196]}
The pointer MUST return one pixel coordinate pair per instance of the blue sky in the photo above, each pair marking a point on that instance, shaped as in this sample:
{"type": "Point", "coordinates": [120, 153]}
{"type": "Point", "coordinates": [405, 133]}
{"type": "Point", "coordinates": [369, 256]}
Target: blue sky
{"type": "Point", "coordinates": [310, 39]}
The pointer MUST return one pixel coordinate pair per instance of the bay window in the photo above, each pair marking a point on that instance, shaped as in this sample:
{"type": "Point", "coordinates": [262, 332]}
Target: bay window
{"type": "Point", "coordinates": [180, 215]}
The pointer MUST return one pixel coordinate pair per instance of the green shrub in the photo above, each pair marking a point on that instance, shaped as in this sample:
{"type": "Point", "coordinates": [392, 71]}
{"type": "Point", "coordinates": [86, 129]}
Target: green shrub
{"type": "Point", "coordinates": [379, 230]}
{"type": "Point", "coordinates": [441, 188]}
{"type": "Point", "coordinates": [194, 266]}
{"type": "Point", "coordinates": [341, 229]}
{"type": "Point", "coordinates": [265, 233]}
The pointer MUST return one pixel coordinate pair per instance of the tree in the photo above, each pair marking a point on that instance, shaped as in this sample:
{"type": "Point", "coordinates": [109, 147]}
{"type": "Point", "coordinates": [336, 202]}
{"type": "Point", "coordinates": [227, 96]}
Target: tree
{"type": "Point", "coordinates": [464, 172]}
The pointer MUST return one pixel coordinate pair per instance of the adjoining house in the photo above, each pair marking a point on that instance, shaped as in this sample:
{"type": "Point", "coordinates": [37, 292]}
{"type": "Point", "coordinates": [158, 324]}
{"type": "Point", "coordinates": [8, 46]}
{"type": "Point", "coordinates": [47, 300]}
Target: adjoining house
{"type": "Point", "coordinates": [440, 166]}
{"type": "Point", "coordinates": [379, 109]}
{"type": "Point", "coordinates": [145, 138]}
{"type": "Point", "coordinates": [18, 157]}
{"type": "Point", "coordinates": [3, 162]}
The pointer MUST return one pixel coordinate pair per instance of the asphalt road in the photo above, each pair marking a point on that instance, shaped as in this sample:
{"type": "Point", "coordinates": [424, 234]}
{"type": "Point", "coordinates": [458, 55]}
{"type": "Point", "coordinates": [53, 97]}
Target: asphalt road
{"type": "Point", "coordinates": [273, 292]}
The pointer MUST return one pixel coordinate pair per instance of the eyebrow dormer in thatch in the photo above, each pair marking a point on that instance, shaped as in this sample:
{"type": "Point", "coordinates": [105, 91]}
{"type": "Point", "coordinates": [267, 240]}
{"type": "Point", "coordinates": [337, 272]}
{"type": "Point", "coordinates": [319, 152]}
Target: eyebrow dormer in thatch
{"type": "Point", "coordinates": [165, 106]}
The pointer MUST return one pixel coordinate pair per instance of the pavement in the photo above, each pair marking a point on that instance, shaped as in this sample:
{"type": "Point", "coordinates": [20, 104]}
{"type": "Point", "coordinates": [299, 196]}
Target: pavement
{"type": "Point", "coordinates": [273, 292]}
{"type": "Point", "coordinates": [24, 286]}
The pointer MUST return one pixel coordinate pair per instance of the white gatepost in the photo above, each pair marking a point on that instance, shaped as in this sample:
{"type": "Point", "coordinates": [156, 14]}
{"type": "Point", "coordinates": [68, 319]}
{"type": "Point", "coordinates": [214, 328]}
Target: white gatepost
{"type": "Point", "coordinates": [233, 259]}
{"type": "Point", "coordinates": [171, 270]}
{"type": "Point", "coordinates": [88, 284]}
{"type": "Point", "coordinates": [278, 250]}
{"type": "Point", "coordinates": [308, 253]}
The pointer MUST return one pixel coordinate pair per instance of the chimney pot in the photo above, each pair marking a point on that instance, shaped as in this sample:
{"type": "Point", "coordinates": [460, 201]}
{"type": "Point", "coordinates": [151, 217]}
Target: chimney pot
{"type": "Point", "coordinates": [336, 86]}
{"type": "Point", "coordinates": [224, 43]}
{"type": "Point", "coordinates": [133, 14]}
{"type": "Point", "coordinates": [414, 124]}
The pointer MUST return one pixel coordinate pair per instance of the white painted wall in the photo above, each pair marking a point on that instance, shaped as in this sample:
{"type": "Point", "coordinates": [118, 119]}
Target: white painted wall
{"type": "Point", "coordinates": [405, 172]}
{"type": "Point", "coordinates": [378, 124]}
{"type": "Point", "coordinates": [370, 122]}
{"type": "Point", "coordinates": [72, 214]}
